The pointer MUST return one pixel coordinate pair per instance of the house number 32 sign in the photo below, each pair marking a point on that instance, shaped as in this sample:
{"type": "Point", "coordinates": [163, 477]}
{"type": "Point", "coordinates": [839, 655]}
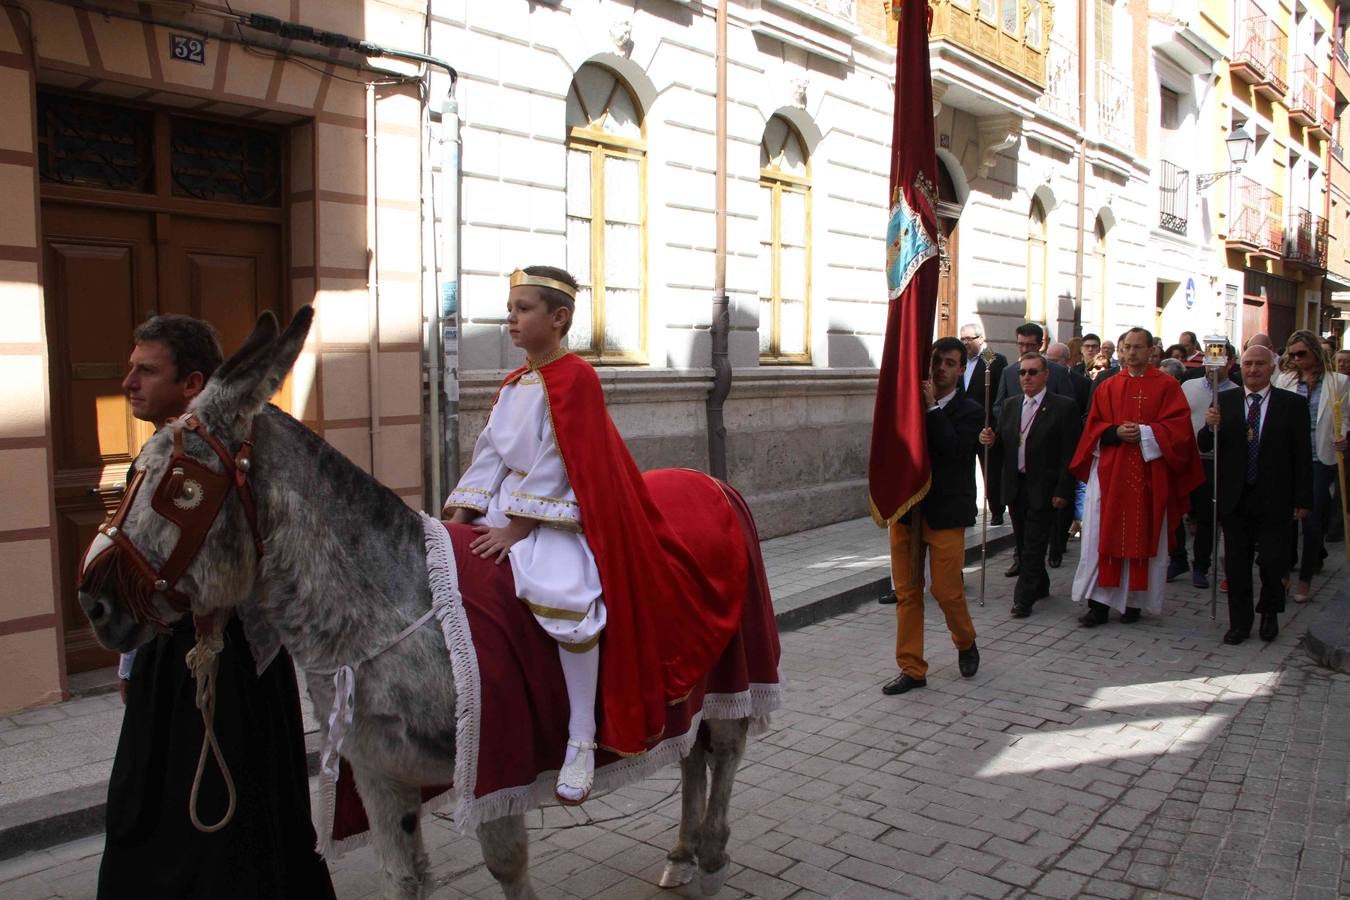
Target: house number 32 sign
{"type": "Point", "coordinates": [187, 48]}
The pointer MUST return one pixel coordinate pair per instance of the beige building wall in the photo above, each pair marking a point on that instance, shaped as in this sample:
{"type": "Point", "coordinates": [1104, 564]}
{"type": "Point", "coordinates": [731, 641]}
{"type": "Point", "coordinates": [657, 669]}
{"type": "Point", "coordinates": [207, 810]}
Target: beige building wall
{"type": "Point", "coordinates": [372, 413]}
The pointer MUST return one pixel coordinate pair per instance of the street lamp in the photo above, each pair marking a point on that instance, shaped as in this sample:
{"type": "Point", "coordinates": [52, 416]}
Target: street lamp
{"type": "Point", "coordinates": [1240, 144]}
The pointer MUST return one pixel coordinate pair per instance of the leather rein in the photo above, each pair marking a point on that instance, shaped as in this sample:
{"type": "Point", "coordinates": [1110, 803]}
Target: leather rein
{"type": "Point", "coordinates": [191, 496]}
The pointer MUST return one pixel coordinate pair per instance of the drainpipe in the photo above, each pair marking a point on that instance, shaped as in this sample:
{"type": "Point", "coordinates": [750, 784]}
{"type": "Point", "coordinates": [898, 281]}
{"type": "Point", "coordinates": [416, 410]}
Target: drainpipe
{"type": "Point", "coordinates": [372, 283]}
{"type": "Point", "coordinates": [721, 322]}
{"type": "Point", "coordinates": [1083, 49]}
{"type": "Point", "coordinates": [446, 322]}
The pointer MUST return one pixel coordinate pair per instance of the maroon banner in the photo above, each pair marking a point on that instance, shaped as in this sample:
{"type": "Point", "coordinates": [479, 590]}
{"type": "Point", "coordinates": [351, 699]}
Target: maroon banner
{"type": "Point", "coordinates": [898, 471]}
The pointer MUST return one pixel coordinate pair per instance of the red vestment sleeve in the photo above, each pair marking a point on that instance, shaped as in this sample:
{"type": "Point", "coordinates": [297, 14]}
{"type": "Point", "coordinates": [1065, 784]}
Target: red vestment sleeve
{"type": "Point", "coordinates": [667, 621]}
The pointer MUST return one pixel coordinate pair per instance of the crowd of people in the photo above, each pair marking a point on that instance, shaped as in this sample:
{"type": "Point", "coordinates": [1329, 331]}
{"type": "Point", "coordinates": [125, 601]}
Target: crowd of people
{"type": "Point", "coordinates": [1132, 447]}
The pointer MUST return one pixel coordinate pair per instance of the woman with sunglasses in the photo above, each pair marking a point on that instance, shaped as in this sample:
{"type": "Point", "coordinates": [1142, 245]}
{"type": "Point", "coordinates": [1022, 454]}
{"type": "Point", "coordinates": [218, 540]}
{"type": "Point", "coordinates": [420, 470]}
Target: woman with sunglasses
{"type": "Point", "coordinates": [1307, 371]}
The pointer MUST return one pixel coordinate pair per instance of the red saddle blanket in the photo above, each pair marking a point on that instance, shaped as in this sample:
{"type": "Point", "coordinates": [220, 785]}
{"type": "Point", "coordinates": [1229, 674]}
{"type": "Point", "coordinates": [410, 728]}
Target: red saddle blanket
{"type": "Point", "coordinates": [512, 720]}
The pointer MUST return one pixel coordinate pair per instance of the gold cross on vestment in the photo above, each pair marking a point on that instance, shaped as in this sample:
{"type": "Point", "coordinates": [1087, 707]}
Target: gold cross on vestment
{"type": "Point", "coordinates": [1141, 398]}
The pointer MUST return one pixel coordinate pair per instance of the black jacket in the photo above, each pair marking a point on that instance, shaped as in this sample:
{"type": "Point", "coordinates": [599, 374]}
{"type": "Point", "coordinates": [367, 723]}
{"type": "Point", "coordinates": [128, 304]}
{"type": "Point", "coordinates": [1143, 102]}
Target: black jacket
{"type": "Point", "coordinates": [953, 436]}
{"type": "Point", "coordinates": [1283, 463]}
{"type": "Point", "coordinates": [1051, 441]}
{"type": "Point", "coordinates": [976, 390]}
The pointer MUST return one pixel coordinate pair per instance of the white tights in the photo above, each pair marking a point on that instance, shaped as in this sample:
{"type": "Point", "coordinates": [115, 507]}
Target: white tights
{"type": "Point", "coordinates": [581, 672]}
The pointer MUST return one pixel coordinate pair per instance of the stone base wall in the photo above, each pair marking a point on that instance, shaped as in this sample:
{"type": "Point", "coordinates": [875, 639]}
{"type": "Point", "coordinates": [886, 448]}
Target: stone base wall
{"type": "Point", "coordinates": [797, 439]}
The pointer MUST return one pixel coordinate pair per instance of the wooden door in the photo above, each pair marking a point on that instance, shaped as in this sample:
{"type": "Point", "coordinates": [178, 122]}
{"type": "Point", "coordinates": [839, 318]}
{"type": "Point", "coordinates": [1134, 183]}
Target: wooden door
{"type": "Point", "coordinates": [106, 271]}
{"type": "Point", "coordinates": [946, 297]}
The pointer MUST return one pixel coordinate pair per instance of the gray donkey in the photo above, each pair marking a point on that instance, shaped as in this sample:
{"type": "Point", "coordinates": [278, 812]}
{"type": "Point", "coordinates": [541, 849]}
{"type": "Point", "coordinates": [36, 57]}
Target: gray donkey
{"type": "Point", "coordinates": [337, 565]}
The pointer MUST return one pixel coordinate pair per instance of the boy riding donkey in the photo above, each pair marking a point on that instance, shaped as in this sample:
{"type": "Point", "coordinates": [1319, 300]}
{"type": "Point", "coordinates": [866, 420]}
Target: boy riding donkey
{"type": "Point", "coordinates": [553, 489]}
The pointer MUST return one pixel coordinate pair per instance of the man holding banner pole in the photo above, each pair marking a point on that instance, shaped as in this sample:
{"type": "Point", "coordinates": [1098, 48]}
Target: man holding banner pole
{"type": "Point", "coordinates": [899, 470]}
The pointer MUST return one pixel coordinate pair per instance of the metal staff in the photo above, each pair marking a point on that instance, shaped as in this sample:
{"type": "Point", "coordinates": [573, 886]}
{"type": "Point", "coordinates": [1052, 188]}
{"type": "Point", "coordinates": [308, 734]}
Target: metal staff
{"type": "Point", "coordinates": [1216, 357]}
{"type": "Point", "coordinates": [988, 357]}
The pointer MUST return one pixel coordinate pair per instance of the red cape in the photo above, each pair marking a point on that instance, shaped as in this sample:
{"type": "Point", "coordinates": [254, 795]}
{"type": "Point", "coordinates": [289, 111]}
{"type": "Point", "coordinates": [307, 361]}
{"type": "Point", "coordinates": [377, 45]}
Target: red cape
{"type": "Point", "coordinates": [667, 620]}
{"type": "Point", "coordinates": [1137, 497]}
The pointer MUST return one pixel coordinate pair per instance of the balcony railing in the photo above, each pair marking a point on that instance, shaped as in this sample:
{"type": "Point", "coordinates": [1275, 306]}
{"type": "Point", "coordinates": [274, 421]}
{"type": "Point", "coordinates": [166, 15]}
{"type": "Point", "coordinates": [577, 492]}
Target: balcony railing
{"type": "Point", "coordinates": [1115, 110]}
{"type": "Point", "coordinates": [1344, 57]}
{"type": "Point", "coordinates": [1174, 197]}
{"type": "Point", "coordinates": [1260, 53]}
{"type": "Point", "coordinates": [1305, 240]}
{"type": "Point", "coordinates": [1312, 99]}
{"type": "Point", "coordinates": [1257, 217]}
{"type": "Point", "coordinates": [1337, 151]}
{"type": "Point", "coordinates": [1010, 34]}
{"type": "Point", "coordinates": [1061, 80]}
{"type": "Point", "coordinates": [1303, 100]}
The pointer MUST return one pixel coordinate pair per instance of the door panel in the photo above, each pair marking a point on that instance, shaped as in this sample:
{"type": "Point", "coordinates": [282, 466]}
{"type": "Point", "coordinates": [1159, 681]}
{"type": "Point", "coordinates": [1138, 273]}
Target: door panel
{"type": "Point", "coordinates": [105, 272]}
{"type": "Point", "coordinates": [227, 273]}
{"type": "Point", "coordinates": [947, 299]}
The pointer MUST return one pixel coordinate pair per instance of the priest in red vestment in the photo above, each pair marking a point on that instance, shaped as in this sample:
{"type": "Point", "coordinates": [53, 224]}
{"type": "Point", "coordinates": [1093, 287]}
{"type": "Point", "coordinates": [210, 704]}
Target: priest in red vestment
{"type": "Point", "coordinates": [1139, 458]}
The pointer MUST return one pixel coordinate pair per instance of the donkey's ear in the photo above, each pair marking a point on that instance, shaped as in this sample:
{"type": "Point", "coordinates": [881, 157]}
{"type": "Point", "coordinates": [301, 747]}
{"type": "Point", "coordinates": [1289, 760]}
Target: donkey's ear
{"type": "Point", "coordinates": [284, 353]}
{"type": "Point", "coordinates": [264, 333]}
{"type": "Point", "coordinates": [248, 379]}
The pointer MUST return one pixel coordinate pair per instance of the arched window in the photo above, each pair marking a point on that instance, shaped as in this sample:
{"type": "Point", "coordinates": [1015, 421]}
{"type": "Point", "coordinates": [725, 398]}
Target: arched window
{"type": "Point", "coordinates": [1037, 256]}
{"type": "Point", "coordinates": [606, 217]}
{"type": "Point", "coordinates": [784, 244]}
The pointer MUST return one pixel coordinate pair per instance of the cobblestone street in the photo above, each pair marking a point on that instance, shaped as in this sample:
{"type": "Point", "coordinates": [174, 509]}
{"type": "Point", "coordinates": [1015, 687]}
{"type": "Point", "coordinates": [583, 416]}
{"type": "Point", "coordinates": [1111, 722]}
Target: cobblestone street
{"type": "Point", "coordinates": [1125, 761]}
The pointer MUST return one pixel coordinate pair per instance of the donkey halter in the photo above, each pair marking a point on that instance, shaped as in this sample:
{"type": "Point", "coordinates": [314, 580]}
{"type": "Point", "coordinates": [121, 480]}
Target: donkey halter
{"type": "Point", "coordinates": [190, 495]}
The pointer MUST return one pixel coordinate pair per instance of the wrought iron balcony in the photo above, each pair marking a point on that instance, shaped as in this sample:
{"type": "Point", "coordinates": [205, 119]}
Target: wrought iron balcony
{"type": "Point", "coordinates": [1115, 109]}
{"type": "Point", "coordinates": [1174, 197]}
{"type": "Point", "coordinates": [1260, 53]}
{"type": "Point", "coordinates": [1305, 240]}
{"type": "Point", "coordinates": [1061, 80]}
{"type": "Point", "coordinates": [1256, 218]}
{"type": "Point", "coordinates": [1311, 99]}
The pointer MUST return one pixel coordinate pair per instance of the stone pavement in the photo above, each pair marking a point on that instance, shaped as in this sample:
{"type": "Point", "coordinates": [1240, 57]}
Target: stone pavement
{"type": "Point", "coordinates": [1125, 761]}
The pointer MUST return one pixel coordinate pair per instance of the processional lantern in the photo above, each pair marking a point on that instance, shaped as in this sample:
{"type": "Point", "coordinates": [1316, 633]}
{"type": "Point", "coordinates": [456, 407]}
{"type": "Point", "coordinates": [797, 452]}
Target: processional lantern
{"type": "Point", "coordinates": [1216, 351]}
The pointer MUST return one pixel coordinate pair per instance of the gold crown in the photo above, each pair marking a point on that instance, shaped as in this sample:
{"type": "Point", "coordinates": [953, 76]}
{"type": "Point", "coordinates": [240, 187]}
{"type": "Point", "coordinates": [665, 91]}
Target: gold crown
{"type": "Point", "coordinates": [521, 277]}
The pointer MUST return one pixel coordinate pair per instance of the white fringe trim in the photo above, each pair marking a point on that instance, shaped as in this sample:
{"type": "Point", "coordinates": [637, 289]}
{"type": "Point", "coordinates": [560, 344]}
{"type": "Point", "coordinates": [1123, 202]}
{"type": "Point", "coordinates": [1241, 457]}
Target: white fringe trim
{"type": "Point", "coordinates": [757, 702]}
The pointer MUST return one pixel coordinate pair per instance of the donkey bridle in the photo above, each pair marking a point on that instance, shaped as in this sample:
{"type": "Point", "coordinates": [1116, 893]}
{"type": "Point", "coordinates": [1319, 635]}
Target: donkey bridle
{"type": "Point", "coordinates": [190, 495]}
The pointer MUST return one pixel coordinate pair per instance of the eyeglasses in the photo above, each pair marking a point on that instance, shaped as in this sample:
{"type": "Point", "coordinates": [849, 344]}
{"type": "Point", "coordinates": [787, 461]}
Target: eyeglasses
{"type": "Point", "coordinates": [972, 337]}
{"type": "Point", "coordinates": [1025, 372]}
{"type": "Point", "coordinates": [1298, 354]}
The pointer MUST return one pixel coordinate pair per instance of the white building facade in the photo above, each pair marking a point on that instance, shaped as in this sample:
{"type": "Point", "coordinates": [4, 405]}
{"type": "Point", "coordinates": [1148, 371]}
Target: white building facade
{"type": "Point", "coordinates": [588, 141]}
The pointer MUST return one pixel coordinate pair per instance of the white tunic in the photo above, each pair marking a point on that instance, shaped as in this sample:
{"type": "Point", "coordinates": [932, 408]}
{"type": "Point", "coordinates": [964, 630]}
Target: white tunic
{"type": "Point", "coordinates": [517, 472]}
{"type": "Point", "coordinates": [1085, 585]}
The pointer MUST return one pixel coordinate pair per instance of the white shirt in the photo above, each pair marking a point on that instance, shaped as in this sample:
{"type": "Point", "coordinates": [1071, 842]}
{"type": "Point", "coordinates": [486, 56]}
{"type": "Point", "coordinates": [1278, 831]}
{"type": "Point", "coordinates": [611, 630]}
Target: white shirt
{"type": "Point", "coordinates": [1199, 392]}
{"type": "Point", "coordinates": [972, 361]}
{"type": "Point", "coordinates": [1265, 406]}
{"type": "Point", "coordinates": [1030, 406]}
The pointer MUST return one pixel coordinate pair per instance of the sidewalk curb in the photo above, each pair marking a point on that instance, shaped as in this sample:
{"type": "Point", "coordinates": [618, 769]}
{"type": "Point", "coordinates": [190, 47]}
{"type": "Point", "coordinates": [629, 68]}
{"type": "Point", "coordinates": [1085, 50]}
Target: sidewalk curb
{"type": "Point", "coordinates": [43, 822]}
{"type": "Point", "coordinates": [1327, 640]}
{"type": "Point", "coordinates": [846, 594]}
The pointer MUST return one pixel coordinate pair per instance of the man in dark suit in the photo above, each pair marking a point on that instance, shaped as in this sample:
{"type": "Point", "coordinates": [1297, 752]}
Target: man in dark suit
{"type": "Point", "coordinates": [1038, 437]}
{"type": "Point", "coordinates": [1030, 338]}
{"type": "Point", "coordinates": [952, 424]}
{"type": "Point", "coordinates": [1265, 479]}
{"type": "Point", "coordinates": [972, 383]}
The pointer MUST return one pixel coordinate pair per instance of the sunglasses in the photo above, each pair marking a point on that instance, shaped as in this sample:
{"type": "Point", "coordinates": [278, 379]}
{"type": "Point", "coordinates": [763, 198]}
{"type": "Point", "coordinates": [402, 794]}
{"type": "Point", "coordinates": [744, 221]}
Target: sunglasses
{"type": "Point", "coordinates": [1298, 354]}
{"type": "Point", "coordinates": [1025, 372]}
